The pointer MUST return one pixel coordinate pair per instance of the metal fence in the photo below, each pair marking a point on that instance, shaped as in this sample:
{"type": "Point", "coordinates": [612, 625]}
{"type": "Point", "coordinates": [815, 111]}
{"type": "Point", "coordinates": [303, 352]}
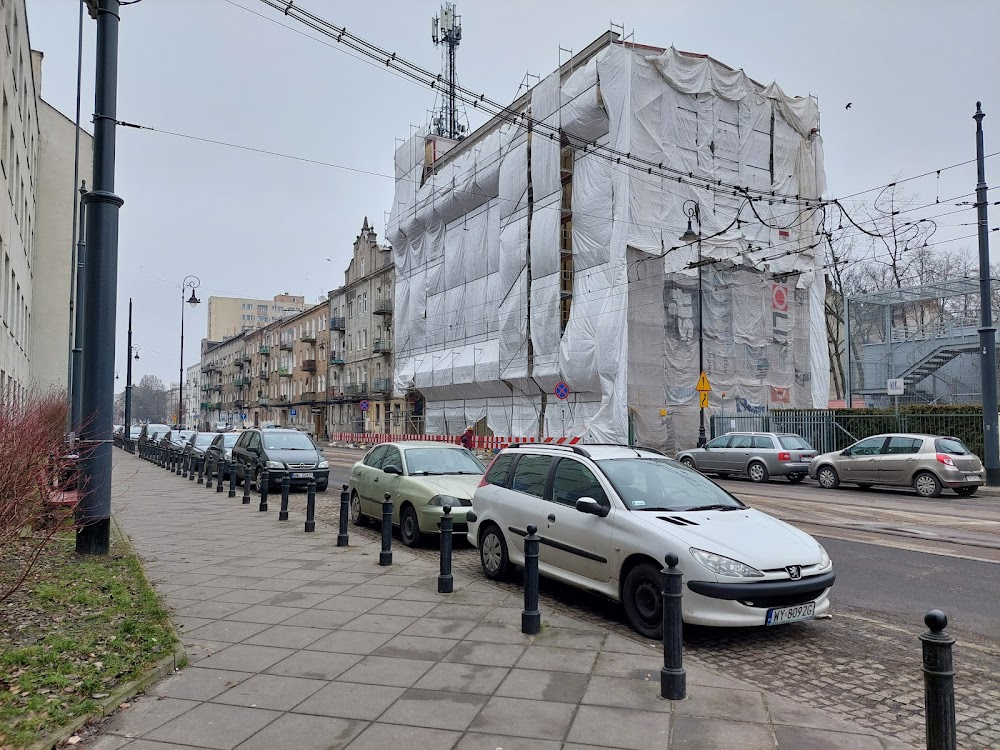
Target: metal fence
{"type": "Point", "coordinates": [831, 430]}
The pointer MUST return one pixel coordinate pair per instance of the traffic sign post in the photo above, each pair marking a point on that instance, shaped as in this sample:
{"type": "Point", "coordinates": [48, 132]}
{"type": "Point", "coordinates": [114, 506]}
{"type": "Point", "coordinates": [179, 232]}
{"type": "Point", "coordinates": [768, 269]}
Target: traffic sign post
{"type": "Point", "coordinates": [704, 388]}
{"type": "Point", "coordinates": [292, 412]}
{"type": "Point", "coordinates": [895, 387]}
{"type": "Point", "coordinates": [364, 405]}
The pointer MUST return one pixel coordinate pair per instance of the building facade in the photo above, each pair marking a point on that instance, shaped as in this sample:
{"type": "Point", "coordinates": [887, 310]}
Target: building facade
{"type": "Point", "coordinates": [192, 396]}
{"type": "Point", "coordinates": [228, 316]}
{"type": "Point", "coordinates": [222, 363]}
{"type": "Point", "coordinates": [361, 344]}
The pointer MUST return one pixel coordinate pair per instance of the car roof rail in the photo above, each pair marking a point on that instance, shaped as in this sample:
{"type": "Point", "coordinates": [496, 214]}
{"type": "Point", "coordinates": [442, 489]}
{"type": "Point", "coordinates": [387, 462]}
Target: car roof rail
{"type": "Point", "coordinates": [645, 448]}
{"type": "Point", "coordinates": [574, 448]}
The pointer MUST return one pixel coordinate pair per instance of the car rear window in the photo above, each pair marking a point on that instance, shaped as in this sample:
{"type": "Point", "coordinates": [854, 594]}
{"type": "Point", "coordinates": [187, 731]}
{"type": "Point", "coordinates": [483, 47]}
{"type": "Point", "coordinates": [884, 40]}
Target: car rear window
{"type": "Point", "coordinates": [530, 474]}
{"type": "Point", "coordinates": [499, 471]}
{"type": "Point", "coordinates": [794, 443]}
{"type": "Point", "coordinates": [951, 446]}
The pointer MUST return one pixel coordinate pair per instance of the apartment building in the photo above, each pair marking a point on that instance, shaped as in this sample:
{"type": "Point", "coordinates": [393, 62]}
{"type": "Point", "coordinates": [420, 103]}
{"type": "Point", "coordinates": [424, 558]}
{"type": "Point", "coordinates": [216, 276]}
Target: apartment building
{"type": "Point", "coordinates": [222, 387]}
{"type": "Point", "coordinates": [361, 344]}
{"type": "Point", "coordinates": [299, 395]}
{"type": "Point", "coordinates": [192, 396]}
{"type": "Point", "coordinates": [228, 316]}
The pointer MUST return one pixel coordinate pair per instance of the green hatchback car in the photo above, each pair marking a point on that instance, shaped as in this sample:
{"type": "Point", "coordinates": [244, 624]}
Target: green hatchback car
{"type": "Point", "coordinates": [422, 477]}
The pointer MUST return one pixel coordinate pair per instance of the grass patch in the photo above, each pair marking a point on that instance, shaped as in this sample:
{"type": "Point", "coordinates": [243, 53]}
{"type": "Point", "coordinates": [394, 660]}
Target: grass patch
{"type": "Point", "coordinates": [77, 629]}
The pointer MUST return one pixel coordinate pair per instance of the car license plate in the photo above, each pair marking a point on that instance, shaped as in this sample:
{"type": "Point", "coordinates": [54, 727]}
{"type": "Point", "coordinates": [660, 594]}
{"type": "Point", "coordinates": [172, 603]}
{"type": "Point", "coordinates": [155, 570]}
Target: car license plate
{"type": "Point", "coordinates": [791, 614]}
{"type": "Point", "coordinates": [302, 475]}
{"type": "Point", "coordinates": [972, 478]}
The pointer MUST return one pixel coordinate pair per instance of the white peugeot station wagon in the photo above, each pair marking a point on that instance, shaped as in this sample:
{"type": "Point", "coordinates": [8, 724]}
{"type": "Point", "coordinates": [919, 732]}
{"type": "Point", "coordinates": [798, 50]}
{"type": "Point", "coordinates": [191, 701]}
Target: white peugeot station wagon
{"type": "Point", "coordinates": [607, 515]}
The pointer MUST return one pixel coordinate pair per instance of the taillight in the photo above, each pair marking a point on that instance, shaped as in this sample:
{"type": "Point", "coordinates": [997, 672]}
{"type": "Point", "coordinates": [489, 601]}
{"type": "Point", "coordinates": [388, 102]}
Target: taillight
{"type": "Point", "coordinates": [945, 459]}
{"type": "Point", "coordinates": [784, 456]}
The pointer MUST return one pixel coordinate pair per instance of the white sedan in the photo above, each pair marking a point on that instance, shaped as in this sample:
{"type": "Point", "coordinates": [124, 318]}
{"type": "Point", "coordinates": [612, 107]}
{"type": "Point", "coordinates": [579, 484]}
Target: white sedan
{"type": "Point", "coordinates": [608, 515]}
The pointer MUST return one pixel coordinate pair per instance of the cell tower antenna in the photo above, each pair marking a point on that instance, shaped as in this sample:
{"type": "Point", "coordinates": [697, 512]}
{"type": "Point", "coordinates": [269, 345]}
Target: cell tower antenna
{"type": "Point", "coordinates": [446, 32]}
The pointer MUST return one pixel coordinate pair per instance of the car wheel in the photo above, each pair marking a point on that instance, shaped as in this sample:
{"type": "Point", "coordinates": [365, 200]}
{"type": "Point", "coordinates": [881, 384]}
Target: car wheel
{"type": "Point", "coordinates": [796, 478]}
{"type": "Point", "coordinates": [757, 472]}
{"type": "Point", "coordinates": [235, 472]}
{"type": "Point", "coordinates": [356, 517]}
{"type": "Point", "coordinates": [689, 462]}
{"type": "Point", "coordinates": [493, 554]}
{"type": "Point", "coordinates": [828, 478]}
{"type": "Point", "coordinates": [927, 485]}
{"type": "Point", "coordinates": [966, 491]}
{"type": "Point", "coordinates": [322, 487]}
{"type": "Point", "coordinates": [643, 602]}
{"type": "Point", "coordinates": [409, 526]}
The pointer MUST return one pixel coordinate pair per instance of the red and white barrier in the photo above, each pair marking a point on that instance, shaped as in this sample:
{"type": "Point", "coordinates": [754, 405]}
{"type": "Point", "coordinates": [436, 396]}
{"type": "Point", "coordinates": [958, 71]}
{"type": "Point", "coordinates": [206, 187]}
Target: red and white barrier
{"type": "Point", "coordinates": [493, 442]}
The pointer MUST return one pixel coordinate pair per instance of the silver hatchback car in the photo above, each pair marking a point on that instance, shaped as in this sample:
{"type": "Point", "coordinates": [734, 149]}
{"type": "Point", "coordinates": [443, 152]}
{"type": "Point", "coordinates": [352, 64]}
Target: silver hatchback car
{"type": "Point", "coordinates": [759, 455]}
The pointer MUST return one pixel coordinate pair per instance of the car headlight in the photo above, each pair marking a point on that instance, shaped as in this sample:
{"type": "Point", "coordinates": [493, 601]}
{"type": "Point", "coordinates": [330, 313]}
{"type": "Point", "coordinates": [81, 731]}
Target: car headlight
{"type": "Point", "coordinates": [323, 465]}
{"type": "Point", "coordinates": [724, 566]}
{"type": "Point", "coordinates": [824, 558]}
{"type": "Point", "coordinates": [439, 501]}
{"type": "Point", "coordinates": [275, 465]}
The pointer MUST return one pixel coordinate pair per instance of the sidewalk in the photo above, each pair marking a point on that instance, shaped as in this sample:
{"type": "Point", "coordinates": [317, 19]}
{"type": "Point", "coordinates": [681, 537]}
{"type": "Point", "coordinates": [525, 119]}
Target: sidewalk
{"type": "Point", "coordinates": [295, 643]}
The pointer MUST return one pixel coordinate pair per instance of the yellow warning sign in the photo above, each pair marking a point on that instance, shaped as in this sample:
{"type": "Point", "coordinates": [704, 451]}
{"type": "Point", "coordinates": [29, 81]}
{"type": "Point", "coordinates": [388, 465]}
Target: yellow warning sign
{"type": "Point", "coordinates": [703, 385]}
{"type": "Point", "coordinates": [703, 400]}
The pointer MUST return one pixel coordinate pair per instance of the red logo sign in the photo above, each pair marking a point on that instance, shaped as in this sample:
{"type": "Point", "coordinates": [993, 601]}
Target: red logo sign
{"type": "Point", "coordinates": [779, 297]}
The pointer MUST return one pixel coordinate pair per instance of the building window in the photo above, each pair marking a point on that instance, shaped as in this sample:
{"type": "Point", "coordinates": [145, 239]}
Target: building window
{"type": "Point", "coordinates": [364, 302]}
{"type": "Point", "coordinates": [362, 266]}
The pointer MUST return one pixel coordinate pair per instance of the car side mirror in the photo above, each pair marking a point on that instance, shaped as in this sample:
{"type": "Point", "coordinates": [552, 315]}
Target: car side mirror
{"type": "Point", "coordinates": [590, 505]}
{"type": "Point", "coordinates": [392, 469]}
{"type": "Point", "coordinates": [845, 452]}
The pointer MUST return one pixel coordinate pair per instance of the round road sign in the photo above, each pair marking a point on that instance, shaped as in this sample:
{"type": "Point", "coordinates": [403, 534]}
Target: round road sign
{"type": "Point", "coordinates": [562, 390]}
{"type": "Point", "coordinates": [364, 405]}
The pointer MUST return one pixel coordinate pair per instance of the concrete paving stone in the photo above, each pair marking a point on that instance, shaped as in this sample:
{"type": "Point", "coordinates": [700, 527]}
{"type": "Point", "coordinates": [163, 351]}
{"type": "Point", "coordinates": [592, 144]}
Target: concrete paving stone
{"type": "Point", "coordinates": [198, 650]}
{"type": "Point", "coordinates": [303, 732]}
{"type": "Point", "coordinates": [245, 658]}
{"type": "Point", "coordinates": [622, 728]}
{"type": "Point", "coordinates": [556, 659]}
{"type": "Point", "coordinates": [188, 579]}
{"type": "Point", "coordinates": [350, 701]}
{"type": "Point", "coordinates": [416, 647]}
{"type": "Point", "coordinates": [150, 745]}
{"type": "Point", "coordinates": [348, 603]}
{"type": "Point", "coordinates": [435, 709]}
{"type": "Point", "coordinates": [693, 733]}
{"type": "Point", "coordinates": [801, 738]}
{"type": "Point", "coordinates": [375, 591]}
{"type": "Point", "coordinates": [265, 614]}
{"type": "Point", "coordinates": [188, 624]}
{"type": "Point", "coordinates": [384, 670]}
{"type": "Point", "coordinates": [487, 654]}
{"type": "Point", "coordinates": [239, 582]}
{"type": "Point", "coordinates": [525, 718]}
{"type": "Point", "coordinates": [419, 595]}
{"type": "Point", "coordinates": [229, 631]}
{"type": "Point", "coordinates": [146, 714]}
{"type": "Point", "coordinates": [215, 726]}
{"type": "Point", "coordinates": [278, 692]}
{"type": "Point", "coordinates": [403, 607]}
{"type": "Point", "coordinates": [623, 692]}
{"type": "Point", "coordinates": [198, 593]}
{"type": "Point", "coordinates": [287, 636]}
{"type": "Point", "coordinates": [348, 577]}
{"type": "Point", "coordinates": [245, 596]}
{"type": "Point", "coordinates": [588, 640]}
{"type": "Point", "coordinates": [316, 665]}
{"type": "Point", "coordinates": [471, 612]}
{"type": "Point", "coordinates": [108, 742]}
{"type": "Point", "coordinates": [351, 642]}
{"type": "Point", "coordinates": [477, 741]}
{"type": "Point", "coordinates": [490, 633]}
{"type": "Point", "coordinates": [320, 618]}
{"type": "Point", "coordinates": [563, 687]}
{"type": "Point", "coordinates": [697, 675]}
{"type": "Point", "coordinates": [722, 703]}
{"type": "Point", "coordinates": [435, 628]}
{"type": "Point", "coordinates": [399, 737]}
{"type": "Point", "coordinates": [210, 609]}
{"type": "Point", "coordinates": [379, 623]}
{"type": "Point", "coordinates": [196, 684]}
{"type": "Point", "coordinates": [637, 666]}
{"type": "Point", "coordinates": [786, 711]}
{"type": "Point", "coordinates": [622, 645]}
{"type": "Point", "coordinates": [509, 616]}
{"type": "Point", "coordinates": [296, 599]}
{"type": "Point", "coordinates": [324, 587]}
{"type": "Point", "coordinates": [277, 584]}
{"type": "Point", "coordinates": [462, 678]}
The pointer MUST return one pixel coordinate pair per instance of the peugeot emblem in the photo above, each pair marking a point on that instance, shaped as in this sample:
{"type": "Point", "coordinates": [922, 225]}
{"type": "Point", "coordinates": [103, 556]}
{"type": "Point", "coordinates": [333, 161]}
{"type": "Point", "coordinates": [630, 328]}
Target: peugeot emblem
{"type": "Point", "coordinates": [794, 572]}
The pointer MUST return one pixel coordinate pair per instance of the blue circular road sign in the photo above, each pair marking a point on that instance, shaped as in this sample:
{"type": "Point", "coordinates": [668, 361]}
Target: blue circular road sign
{"type": "Point", "coordinates": [364, 405]}
{"type": "Point", "coordinates": [562, 390]}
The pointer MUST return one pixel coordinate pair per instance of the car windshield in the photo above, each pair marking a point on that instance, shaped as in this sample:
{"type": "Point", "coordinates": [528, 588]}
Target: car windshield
{"type": "Point", "coordinates": [794, 443]}
{"type": "Point", "coordinates": [183, 435]}
{"type": "Point", "coordinates": [204, 438]}
{"type": "Point", "coordinates": [287, 441]}
{"type": "Point", "coordinates": [157, 428]}
{"type": "Point", "coordinates": [661, 484]}
{"type": "Point", "coordinates": [442, 461]}
{"type": "Point", "coordinates": [951, 446]}
{"type": "Point", "coordinates": [134, 432]}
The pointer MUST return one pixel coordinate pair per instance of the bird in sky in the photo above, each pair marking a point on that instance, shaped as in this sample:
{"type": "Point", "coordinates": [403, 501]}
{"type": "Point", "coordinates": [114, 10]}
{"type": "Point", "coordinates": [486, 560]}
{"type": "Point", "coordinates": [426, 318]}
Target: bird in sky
{"type": "Point", "coordinates": [848, 105]}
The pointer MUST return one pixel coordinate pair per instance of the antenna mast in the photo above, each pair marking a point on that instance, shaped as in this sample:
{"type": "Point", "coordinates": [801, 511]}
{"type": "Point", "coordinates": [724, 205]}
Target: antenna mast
{"type": "Point", "coordinates": [446, 32]}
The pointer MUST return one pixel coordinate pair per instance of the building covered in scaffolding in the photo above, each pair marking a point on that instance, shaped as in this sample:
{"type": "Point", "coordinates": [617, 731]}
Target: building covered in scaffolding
{"type": "Point", "coordinates": [545, 247]}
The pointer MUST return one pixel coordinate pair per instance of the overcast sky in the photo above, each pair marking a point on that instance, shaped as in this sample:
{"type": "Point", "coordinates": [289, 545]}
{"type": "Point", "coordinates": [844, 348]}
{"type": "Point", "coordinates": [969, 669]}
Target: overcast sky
{"type": "Point", "coordinates": [257, 225]}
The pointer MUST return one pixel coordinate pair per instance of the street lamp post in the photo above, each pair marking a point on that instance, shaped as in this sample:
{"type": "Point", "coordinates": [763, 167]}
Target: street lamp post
{"type": "Point", "coordinates": [689, 236]}
{"type": "Point", "coordinates": [192, 283]}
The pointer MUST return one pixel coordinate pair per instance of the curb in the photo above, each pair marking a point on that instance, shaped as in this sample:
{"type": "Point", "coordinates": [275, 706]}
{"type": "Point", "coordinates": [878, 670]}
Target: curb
{"type": "Point", "coordinates": [107, 706]}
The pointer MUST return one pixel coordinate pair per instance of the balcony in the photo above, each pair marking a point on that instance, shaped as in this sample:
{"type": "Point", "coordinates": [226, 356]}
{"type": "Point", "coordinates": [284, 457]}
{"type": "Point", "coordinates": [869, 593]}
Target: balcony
{"type": "Point", "coordinates": [206, 405]}
{"type": "Point", "coordinates": [286, 346]}
{"type": "Point", "coordinates": [265, 350]}
{"type": "Point", "coordinates": [264, 402]}
{"type": "Point", "coordinates": [308, 338]}
{"type": "Point", "coordinates": [239, 403]}
{"type": "Point", "coordinates": [337, 324]}
{"type": "Point", "coordinates": [382, 346]}
{"type": "Point", "coordinates": [210, 367]}
{"type": "Point", "coordinates": [264, 375]}
{"type": "Point", "coordinates": [356, 390]}
{"type": "Point", "coordinates": [382, 385]}
{"type": "Point", "coordinates": [334, 391]}
{"type": "Point", "coordinates": [282, 399]}
{"type": "Point", "coordinates": [247, 356]}
{"type": "Point", "coordinates": [336, 358]}
{"type": "Point", "coordinates": [242, 380]}
{"type": "Point", "coordinates": [309, 396]}
{"type": "Point", "coordinates": [240, 363]}
{"type": "Point", "coordinates": [383, 307]}
{"type": "Point", "coordinates": [309, 365]}
{"type": "Point", "coordinates": [284, 372]}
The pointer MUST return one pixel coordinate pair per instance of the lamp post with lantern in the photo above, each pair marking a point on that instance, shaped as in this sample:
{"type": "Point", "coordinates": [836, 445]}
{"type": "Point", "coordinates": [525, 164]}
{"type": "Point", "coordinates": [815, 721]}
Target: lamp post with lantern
{"type": "Point", "coordinates": [192, 283]}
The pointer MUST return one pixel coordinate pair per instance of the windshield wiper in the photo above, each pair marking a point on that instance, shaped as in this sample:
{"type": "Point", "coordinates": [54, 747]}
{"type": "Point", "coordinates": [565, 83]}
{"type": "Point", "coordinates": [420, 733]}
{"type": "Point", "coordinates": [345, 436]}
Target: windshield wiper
{"type": "Point", "coordinates": [717, 506]}
{"type": "Point", "coordinates": [477, 473]}
{"type": "Point", "coordinates": [424, 472]}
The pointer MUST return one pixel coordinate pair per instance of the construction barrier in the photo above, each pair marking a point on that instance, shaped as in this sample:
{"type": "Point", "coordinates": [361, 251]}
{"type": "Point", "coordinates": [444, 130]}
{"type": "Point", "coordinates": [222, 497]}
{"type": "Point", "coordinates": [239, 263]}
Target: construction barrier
{"type": "Point", "coordinates": [481, 442]}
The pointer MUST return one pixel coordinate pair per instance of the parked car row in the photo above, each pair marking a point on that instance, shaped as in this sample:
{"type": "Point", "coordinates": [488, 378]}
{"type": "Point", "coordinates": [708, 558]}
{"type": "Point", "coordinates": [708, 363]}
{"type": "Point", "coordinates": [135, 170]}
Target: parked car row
{"type": "Point", "coordinates": [606, 515]}
{"type": "Point", "coordinates": [927, 463]}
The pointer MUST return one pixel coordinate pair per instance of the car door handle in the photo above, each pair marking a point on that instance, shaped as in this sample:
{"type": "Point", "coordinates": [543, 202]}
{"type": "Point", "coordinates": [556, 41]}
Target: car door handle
{"type": "Point", "coordinates": [552, 517]}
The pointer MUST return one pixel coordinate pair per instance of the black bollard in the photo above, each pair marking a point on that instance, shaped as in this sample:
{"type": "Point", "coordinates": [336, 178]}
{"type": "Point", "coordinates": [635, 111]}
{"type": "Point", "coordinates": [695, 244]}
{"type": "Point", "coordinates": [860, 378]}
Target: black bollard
{"type": "Point", "coordinates": [264, 483]}
{"type": "Point", "coordinates": [185, 465]}
{"type": "Point", "coordinates": [220, 475]}
{"type": "Point", "coordinates": [385, 556]}
{"type": "Point", "coordinates": [201, 470]}
{"type": "Point", "coordinates": [286, 485]}
{"type": "Point", "coordinates": [531, 618]}
{"type": "Point", "coordinates": [673, 678]}
{"type": "Point", "coordinates": [345, 509]}
{"type": "Point", "coordinates": [246, 485]}
{"type": "Point", "coordinates": [446, 581]}
{"type": "Point", "coordinates": [311, 505]}
{"type": "Point", "coordinates": [178, 463]}
{"type": "Point", "coordinates": [232, 480]}
{"type": "Point", "coordinates": [192, 462]}
{"type": "Point", "coordinates": [208, 471]}
{"type": "Point", "coordinates": [939, 683]}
